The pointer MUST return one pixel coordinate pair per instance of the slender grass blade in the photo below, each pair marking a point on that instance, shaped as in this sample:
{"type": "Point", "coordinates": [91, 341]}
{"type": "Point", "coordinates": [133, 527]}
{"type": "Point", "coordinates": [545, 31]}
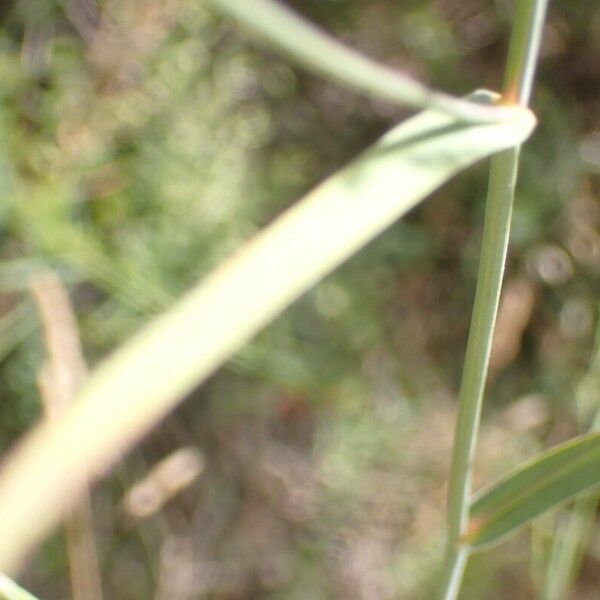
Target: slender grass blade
{"type": "Point", "coordinates": [549, 480]}
{"type": "Point", "coordinates": [146, 378]}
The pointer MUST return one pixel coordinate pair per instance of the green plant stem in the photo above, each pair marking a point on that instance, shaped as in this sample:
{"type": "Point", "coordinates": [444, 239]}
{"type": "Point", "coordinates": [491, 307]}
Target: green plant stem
{"type": "Point", "coordinates": [524, 49]}
{"type": "Point", "coordinates": [319, 52]}
{"type": "Point", "coordinates": [491, 268]}
{"type": "Point", "coordinates": [454, 567]}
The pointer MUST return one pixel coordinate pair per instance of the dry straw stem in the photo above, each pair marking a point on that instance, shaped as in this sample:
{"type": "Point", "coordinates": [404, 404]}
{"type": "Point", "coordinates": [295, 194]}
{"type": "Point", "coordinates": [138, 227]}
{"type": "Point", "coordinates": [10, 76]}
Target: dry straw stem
{"type": "Point", "coordinates": [61, 377]}
{"type": "Point", "coordinates": [142, 381]}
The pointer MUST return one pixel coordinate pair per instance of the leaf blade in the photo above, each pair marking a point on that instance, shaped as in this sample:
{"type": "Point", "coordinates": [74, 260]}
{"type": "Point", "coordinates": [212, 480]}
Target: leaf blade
{"type": "Point", "coordinates": [315, 50]}
{"type": "Point", "coordinates": [10, 590]}
{"type": "Point", "coordinates": [130, 392]}
{"type": "Point", "coordinates": [547, 481]}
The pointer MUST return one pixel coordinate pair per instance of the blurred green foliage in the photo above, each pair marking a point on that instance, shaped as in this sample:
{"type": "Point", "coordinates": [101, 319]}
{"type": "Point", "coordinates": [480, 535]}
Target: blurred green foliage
{"type": "Point", "coordinates": [143, 141]}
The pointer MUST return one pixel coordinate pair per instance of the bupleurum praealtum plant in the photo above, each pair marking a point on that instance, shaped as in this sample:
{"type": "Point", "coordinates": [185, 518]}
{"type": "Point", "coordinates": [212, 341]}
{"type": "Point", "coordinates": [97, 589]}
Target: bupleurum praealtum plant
{"type": "Point", "coordinates": [143, 380]}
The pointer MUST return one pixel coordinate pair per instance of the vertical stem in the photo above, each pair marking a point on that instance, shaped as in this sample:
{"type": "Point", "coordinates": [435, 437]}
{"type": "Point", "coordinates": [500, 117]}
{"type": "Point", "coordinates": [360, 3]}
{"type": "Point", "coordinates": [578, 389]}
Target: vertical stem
{"type": "Point", "coordinates": [524, 49]}
{"type": "Point", "coordinates": [491, 268]}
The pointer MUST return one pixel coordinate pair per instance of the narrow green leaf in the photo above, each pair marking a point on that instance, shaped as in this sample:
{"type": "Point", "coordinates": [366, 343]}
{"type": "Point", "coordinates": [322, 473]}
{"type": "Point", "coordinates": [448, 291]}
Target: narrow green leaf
{"type": "Point", "coordinates": [9, 590]}
{"type": "Point", "coordinates": [146, 378]}
{"type": "Point", "coordinates": [314, 49]}
{"type": "Point", "coordinates": [544, 483]}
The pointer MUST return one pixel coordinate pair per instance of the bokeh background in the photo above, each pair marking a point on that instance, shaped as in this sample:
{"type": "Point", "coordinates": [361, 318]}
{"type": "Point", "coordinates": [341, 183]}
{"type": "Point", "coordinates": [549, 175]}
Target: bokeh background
{"type": "Point", "coordinates": [144, 140]}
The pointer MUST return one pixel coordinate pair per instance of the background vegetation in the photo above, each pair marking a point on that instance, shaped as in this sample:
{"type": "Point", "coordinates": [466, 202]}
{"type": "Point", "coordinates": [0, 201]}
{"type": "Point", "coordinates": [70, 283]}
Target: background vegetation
{"type": "Point", "coordinates": [145, 140]}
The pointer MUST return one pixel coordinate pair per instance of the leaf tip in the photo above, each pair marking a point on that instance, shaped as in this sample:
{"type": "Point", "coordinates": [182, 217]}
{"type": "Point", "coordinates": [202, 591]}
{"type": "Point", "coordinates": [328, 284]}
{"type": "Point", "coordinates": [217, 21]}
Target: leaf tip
{"type": "Point", "coordinates": [519, 115]}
